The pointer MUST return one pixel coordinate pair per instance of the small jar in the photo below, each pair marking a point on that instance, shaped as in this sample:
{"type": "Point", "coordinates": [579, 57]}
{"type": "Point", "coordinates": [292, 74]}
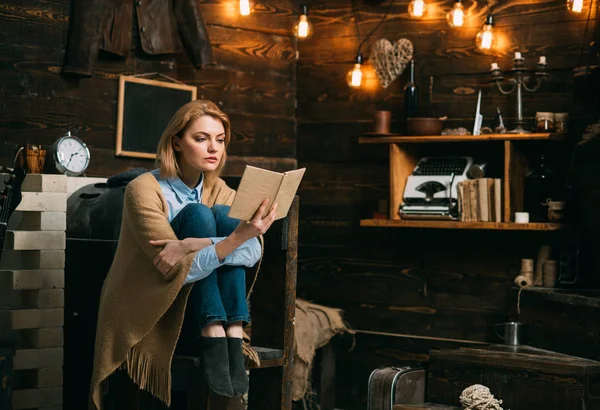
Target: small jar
{"type": "Point", "coordinates": [544, 122]}
{"type": "Point", "coordinates": [560, 122]}
{"type": "Point", "coordinates": [382, 121]}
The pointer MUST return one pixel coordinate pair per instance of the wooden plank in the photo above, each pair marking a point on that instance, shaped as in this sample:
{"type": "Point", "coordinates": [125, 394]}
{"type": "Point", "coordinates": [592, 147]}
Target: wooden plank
{"type": "Point", "coordinates": [37, 398]}
{"type": "Point", "coordinates": [31, 299]}
{"type": "Point", "coordinates": [106, 164]}
{"type": "Point", "coordinates": [507, 181]}
{"type": "Point", "coordinates": [515, 387]}
{"type": "Point", "coordinates": [439, 95]}
{"type": "Point", "coordinates": [32, 279]}
{"type": "Point", "coordinates": [229, 47]}
{"type": "Point", "coordinates": [338, 142]}
{"type": "Point", "coordinates": [520, 357]}
{"type": "Point", "coordinates": [44, 183]}
{"type": "Point", "coordinates": [277, 17]}
{"type": "Point", "coordinates": [44, 337]}
{"type": "Point", "coordinates": [36, 240]}
{"type": "Point", "coordinates": [423, 320]}
{"type": "Point", "coordinates": [39, 358]}
{"type": "Point", "coordinates": [402, 162]}
{"type": "Point", "coordinates": [273, 317]}
{"type": "Point", "coordinates": [336, 18]}
{"type": "Point", "coordinates": [519, 167]}
{"type": "Point", "coordinates": [238, 91]}
{"type": "Point", "coordinates": [436, 45]}
{"type": "Point", "coordinates": [398, 139]}
{"type": "Point", "coordinates": [37, 221]}
{"type": "Point", "coordinates": [44, 120]}
{"type": "Point", "coordinates": [39, 378]}
{"type": "Point", "coordinates": [508, 226]}
{"type": "Point", "coordinates": [32, 259]}
{"type": "Point", "coordinates": [31, 318]}
{"type": "Point", "coordinates": [43, 202]}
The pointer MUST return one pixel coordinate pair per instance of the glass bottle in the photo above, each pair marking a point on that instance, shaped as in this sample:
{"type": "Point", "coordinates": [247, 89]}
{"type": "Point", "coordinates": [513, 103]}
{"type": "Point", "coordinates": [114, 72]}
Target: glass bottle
{"type": "Point", "coordinates": [411, 94]}
{"type": "Point", "coordinates": [539, 186]}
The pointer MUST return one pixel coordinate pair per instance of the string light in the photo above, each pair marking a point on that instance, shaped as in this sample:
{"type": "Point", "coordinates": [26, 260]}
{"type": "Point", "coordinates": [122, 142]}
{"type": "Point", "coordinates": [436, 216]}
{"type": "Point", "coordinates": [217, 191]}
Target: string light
{"type": "Point", "coordinates": [456, 16]}
{"type": "Point", "coordinates": [355, 75]}
{"type": "Point", "coordinates": [303, 28]}
{"type": "Point", "coordinates": [245, 7]}
{"type": "Point", "coordinates": [486, 39]}
{"type": "Point", "coordinates": [575, 6]}
{"type": "Point", "coordinates": [417, 8]}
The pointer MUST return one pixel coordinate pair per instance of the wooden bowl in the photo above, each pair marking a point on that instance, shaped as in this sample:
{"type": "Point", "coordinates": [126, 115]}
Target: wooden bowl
{"type": "Point", "coordinates": [424, 126]}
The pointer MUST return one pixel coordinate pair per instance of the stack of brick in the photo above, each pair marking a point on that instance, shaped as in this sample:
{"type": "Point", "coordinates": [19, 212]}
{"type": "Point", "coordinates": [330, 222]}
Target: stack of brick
{"type": "Point", "coordinates": [32, 279]}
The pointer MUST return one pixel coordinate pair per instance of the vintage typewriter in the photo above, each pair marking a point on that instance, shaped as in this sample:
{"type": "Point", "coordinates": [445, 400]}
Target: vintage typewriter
{"type": "Point", "coordinates": [430, 191]}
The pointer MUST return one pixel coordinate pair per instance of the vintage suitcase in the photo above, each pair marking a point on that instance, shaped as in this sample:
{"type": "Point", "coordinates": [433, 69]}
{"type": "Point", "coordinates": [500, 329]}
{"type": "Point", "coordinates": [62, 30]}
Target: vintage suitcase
{"type": "Point", "coordinates": [395, 385]}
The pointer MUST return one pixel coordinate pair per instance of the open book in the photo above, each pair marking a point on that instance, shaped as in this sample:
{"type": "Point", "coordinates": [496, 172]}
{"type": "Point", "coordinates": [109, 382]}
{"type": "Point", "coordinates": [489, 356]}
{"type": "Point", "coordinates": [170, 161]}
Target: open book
{"type": "Point", "coordinates": [258, 184]}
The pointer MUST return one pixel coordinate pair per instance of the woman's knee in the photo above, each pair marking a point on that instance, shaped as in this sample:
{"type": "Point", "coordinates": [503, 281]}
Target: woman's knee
{"type": "Point", "coordinates": [225, 224]}
{"type": "Point", "coordinates": [199, 221]}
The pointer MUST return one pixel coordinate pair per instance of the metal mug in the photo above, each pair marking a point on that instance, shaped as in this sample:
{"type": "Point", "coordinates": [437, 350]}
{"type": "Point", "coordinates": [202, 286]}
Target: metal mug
{"type": "Point", "coordinates": [513, 333]}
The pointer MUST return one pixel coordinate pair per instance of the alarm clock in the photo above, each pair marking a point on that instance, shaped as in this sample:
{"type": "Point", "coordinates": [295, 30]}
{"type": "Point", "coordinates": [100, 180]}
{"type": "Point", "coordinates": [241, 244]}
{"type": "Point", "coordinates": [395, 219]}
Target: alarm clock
{"type": "Point", "coordinates": [71, 155]}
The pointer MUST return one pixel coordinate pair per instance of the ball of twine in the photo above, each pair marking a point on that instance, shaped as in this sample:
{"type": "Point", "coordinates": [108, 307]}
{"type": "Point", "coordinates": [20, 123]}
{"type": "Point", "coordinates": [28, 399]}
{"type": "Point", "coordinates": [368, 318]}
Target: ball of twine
{"type": "Point", "coordinates": [478, 397]}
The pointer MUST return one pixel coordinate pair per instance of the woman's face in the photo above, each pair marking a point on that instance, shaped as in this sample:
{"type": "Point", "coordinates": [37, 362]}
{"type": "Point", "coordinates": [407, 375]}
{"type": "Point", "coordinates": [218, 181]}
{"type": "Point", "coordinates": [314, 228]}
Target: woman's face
{"type": "Point", "coordinates": [202, 145]}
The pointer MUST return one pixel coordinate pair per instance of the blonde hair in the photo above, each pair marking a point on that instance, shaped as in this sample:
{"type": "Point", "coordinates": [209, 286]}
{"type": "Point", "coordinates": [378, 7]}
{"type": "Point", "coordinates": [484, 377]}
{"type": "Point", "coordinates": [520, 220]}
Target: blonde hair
{"type": "Point", "coordinates": [166, 156]}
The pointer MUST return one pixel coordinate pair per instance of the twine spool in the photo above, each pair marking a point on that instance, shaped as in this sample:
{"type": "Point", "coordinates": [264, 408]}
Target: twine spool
{"type": "Point", "coordinates": [550, 269]}
{"type": "Point", "coordinates": [543, 254]}
{"type": "Point", "coordinates": [526, 266]}
{"type": "Point", "coordinates": [524, 280]}
{"type": "Point", "coordinates": [526, 277]}
{"type": "Point", "coordinates": [479, 397]}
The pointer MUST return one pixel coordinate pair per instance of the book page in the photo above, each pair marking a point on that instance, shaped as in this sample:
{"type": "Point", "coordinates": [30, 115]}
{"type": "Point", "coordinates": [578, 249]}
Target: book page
{"type": "Point", "coordinates": [257, 184]}
{"type": "Point", "coordinates": [287, 191]}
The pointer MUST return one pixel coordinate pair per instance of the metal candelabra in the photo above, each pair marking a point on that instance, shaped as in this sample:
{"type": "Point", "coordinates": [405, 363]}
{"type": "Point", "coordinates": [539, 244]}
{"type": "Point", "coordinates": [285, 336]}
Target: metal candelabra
{"type": "Point", "coordinates": [518, 83]}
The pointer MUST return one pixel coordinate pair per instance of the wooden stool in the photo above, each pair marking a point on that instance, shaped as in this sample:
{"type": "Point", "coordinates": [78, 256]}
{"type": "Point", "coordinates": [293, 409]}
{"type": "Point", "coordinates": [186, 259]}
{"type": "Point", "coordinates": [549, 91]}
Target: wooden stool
{"type": "Point", "coordinates": [273, 303]}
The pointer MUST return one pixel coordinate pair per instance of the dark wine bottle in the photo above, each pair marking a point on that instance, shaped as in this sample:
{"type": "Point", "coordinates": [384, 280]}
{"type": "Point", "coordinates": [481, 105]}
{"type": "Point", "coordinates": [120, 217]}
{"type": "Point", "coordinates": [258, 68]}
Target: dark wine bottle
{"type": "Point", "coordinates": [540, 185]}
{"type": "Point", "coordinates": [411, 94]}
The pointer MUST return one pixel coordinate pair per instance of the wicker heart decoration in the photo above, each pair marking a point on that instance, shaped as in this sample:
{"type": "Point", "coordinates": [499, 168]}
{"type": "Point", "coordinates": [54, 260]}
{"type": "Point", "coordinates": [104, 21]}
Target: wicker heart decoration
{"type": "Point", "coordinates": [389, 59]}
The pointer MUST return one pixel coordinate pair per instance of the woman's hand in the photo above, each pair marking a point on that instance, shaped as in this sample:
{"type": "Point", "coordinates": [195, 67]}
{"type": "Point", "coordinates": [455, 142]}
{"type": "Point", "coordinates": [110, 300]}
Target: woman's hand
{"type": "Point", "coordinates": [257, 225]}
{"type": "Point", "coordinates": [171, 254]}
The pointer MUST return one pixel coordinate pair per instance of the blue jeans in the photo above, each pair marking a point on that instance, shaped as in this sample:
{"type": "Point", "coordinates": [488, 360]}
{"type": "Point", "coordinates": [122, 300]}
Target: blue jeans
{"type": "Point", "coordinates": [221, 296]}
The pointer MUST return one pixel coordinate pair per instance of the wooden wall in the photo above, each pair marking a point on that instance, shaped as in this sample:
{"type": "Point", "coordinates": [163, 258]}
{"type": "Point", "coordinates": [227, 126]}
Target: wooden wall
{"type": "Point", "coordinates": [407, 290]}
{"type": "Point", "coordinates": [254, 81]}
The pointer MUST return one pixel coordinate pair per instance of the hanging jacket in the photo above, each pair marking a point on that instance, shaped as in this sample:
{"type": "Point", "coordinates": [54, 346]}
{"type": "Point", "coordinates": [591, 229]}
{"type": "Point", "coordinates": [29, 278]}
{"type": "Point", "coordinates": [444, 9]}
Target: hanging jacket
{"type": "Point", "coordinates": [164, 26]}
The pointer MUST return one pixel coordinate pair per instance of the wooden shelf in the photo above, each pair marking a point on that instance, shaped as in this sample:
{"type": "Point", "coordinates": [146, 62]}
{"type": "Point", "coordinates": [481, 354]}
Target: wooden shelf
{"type": "Point", "coordinates": [373, 138]}
{"type": "Point", "coordinates": [502, 226]}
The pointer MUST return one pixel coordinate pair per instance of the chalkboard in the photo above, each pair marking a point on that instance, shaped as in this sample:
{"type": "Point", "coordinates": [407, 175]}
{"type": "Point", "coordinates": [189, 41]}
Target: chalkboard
{"type": "Point", "coordinates": [145, 108]}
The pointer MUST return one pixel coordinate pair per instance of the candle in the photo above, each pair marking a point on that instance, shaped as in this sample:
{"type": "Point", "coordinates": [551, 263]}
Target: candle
{"type": "Point", "coordinates": [517, 56]}
{"type": "Point", "coordinates": [495, 66]}
{"type": "Point", "coordinates": [542, 60]}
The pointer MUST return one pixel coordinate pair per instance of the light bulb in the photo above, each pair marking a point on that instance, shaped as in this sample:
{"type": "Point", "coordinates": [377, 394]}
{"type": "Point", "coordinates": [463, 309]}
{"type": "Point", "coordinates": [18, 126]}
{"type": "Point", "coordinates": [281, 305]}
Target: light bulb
{"type": "Point", "coordinates": [486, 39]}
{"type": "Point", "coordinates": [575, 6]}
{"type": "Point", "coordinates": [416, 8]}
{"type": "Point", "coordinates": [456, 16]}
{"type": "Point", "coordinates": [303, 28]}
{"type": "Point", "coordinates": [244, 7]}
{"type": "Point", "coordinates": [355, 76]}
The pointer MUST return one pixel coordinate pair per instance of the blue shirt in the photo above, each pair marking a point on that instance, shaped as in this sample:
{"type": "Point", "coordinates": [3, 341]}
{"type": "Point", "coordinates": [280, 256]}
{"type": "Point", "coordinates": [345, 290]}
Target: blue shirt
{"type": "Point", "coordinates": [178, 195]}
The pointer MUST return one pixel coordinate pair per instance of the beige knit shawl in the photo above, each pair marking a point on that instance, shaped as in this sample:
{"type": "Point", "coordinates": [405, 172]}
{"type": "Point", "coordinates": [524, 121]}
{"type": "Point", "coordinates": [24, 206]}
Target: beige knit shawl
{"type": "Point", "coordinates": [141, 310]}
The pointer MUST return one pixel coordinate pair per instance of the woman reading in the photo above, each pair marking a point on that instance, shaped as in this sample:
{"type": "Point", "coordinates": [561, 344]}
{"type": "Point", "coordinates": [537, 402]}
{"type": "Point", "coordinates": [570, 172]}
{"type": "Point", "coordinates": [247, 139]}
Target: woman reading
{"type": "Point", "coordinates": [180, 255]}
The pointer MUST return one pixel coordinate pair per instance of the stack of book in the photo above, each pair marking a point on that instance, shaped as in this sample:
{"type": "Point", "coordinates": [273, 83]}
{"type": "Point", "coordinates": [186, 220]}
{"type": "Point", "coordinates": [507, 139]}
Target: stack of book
{"type": "Point", "coordinates": [480, 200]}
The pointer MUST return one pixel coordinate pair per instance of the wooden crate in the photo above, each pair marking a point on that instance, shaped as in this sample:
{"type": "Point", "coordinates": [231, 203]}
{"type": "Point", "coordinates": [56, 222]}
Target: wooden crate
{"type": "Point", "coordinates": [522, 377]}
